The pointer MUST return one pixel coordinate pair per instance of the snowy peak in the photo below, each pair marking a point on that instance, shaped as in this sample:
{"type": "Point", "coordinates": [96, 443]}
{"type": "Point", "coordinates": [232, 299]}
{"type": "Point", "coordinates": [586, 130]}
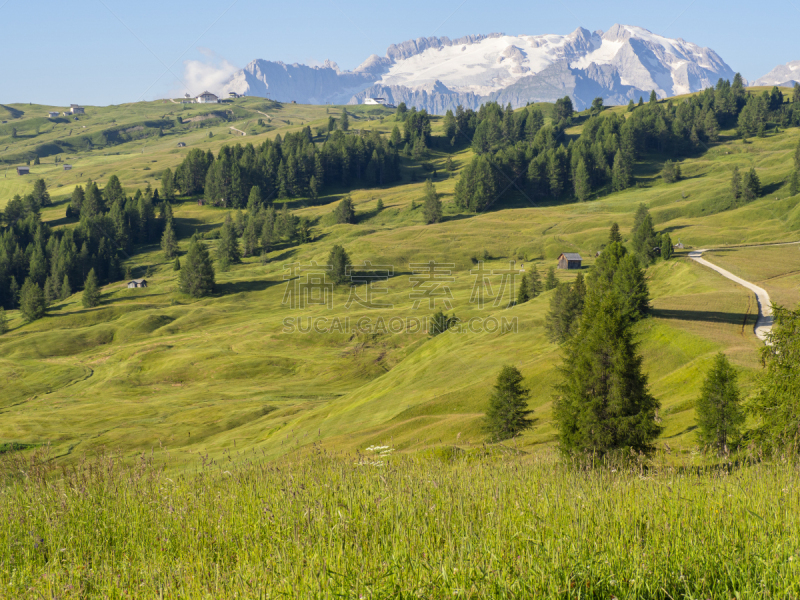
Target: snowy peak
{"type": "Point", "coordinates": [782, 75]}
{"type": "Point", "coordinates": [437, 73]}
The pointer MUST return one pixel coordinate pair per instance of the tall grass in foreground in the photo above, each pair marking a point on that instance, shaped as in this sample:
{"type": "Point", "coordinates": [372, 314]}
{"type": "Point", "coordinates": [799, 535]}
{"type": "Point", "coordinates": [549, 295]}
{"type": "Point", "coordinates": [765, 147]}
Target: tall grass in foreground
{"type": "Point", "coordinates": [402, 527]}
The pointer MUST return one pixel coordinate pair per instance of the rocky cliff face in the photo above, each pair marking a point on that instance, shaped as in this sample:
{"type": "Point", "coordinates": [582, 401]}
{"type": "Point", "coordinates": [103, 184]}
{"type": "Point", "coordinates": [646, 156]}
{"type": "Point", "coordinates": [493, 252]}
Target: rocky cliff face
{"type": "Point", "coordinates": [437, 74]}
{"type": "Point", "coordinates": [782, 75]}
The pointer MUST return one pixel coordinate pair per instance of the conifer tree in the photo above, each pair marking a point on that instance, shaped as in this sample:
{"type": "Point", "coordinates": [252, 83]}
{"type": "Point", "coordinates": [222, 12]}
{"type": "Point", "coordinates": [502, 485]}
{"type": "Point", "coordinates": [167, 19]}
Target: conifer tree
{"type": "Point", "coordinates": [535, 286]}
{"type": "Point", "coordinates": [228, 246]}
{"type": "Point", "coordinates": [379, 205]}
{"type": "Point", "coordinates": [614, 235]}
{"type": "Point", "coordinates": [551, 282]}
{"type": "Point", "coordinates": [653, 97]}
{"type": "Point", "coordinates": [582, 183]}
{"type": "Point", "coordinates": [433, 206]}
{"type": "Point", "coordinates": [176, 266]}
{"type": "Point", "coordinates": [31, 301]}
{"type": "Point", "coordinates": [507, 415]}
{"type": "Point", "coordinates": [167, 185]}
{"type": "Point", "coordinates": [91, 291]}
{"type": "Point", "coordinates": [339, 260]}
{"type": "Point", "coordinates": [736, 184]}
{"type": "Point", "coordinates": [603, 403]}
{"type": "Point", "coordinates": [566, 308]}
{"type": "Point", "coordinates": [666, 246]}
{"type": "Point", "coordinates": [345, 122]}
{"type": "Point", "coordinates": [250, 237]}
{"type": "Point", "coordinates": [345, 213]}
{"type": "Point", "coordinates": [631, 105]}
{"type": "Point", "coordinates": [66, 289]}
{"type": "Point", "coordinates": [719, 414]}
{"type": "Point", "coordinates": [169, 242]}
{"type": "Point", "coordinates": [254, 201]}
{"type": "Point", "coordinates": [751, 186]}
{"type": "Point", "coordinates": [523, 293]}
{"type": "Point", "coordinates": [621, 177]}
{"type": "Point", "coordinates": [197, 272]}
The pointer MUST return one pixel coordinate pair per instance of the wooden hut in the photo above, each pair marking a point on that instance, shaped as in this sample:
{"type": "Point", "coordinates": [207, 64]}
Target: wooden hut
{"type": "Point", "coordinates": [570, 260]}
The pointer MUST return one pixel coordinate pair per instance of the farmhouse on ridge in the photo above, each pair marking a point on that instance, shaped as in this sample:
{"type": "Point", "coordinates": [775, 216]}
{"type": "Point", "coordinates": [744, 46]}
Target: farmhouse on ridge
{"type": "Point", "coordinates": [207, 98]}
{"type": "Point", "coordinates": [76, 110]}
{"type": "Point", "coordinates": [569, 260]}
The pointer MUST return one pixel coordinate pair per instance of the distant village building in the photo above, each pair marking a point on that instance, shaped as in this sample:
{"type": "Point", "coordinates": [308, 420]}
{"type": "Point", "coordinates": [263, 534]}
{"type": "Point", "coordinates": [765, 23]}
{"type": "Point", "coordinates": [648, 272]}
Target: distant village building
{"type": "Point", "coordinates": [233, 95]}
{"type": "Point", "coordinates": [569, 260]}
{"type": "Point", "coordinates": [207, 98]}
{"type": "Point", "coordinates": [23, 170]}
{"type": "Point", "coordinates": [67, 167]}
{"type": "Point", "coordinates": [52, 115]}
{"type": "Point", "coordinates": [137, 283]}
{"type": "Point", "coordinates": [378, 102]}
{"type": "Point", "coordinates": [76, 110]}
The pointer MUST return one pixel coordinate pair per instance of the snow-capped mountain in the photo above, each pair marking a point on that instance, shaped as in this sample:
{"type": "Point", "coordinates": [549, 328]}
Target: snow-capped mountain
{"type": "Point", "coordinates": [782, 75]}
{"type": "Point", "coordinates": [438, 73]}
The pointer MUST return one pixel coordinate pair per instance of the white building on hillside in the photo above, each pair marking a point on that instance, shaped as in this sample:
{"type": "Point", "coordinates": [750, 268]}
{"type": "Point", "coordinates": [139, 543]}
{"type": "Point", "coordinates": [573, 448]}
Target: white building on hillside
{"type": "Point", "coordinates": [378, 102]}
{"type": "Point", "coordinates": [52, 115]}
{"type": "Point", "coordinates": [207, 98]}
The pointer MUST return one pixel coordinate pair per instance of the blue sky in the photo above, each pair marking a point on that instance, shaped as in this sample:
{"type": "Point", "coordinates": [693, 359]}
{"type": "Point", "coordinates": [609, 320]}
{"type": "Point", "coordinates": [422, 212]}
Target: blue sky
{"type": "Point", "coordinates": [110, 51]}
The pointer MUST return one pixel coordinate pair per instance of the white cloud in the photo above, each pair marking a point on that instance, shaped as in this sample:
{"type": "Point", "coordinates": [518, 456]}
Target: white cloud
{"type": "Point", "coordinates": [210, 74]}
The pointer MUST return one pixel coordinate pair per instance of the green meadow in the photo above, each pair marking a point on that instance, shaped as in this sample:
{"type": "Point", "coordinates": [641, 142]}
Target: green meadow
{"type": "Point", "coordinates": [234, 446]}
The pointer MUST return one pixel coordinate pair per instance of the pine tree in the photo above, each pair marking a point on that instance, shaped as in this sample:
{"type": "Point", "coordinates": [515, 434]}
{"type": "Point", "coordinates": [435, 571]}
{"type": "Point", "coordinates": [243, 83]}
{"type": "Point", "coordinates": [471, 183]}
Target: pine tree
{"type": "Point", "coordinates": [653, 97]}
{"type": "Point", "coordinates": [614, 235]}
{"type": "Point", "coordinates": [535, 286]}
{"type": "Point", "coordinates": [719, 414]}
{"type": "Point", "coordinates": [551, 282]}
{"type": "Point", "coordinates": [379, 206]}
{"type": "Point", "coordinates": [566, 308]}
{"type": "Point", "coordinates": [666, 246]}
{"type": "Point", "coordinates": [3, 321]}
{"type": "Point", "coordinates": [254, 201]}
{"type": "Point", "coordinates": [228, 246]}
{"type": "Point", "coordinates": [736, 184]}
{"type": "Point", "coordinates": [582, 183]}
{"type": "Point", "coordinates": [507, 415]}
{"type": "Point", "coordinates": [66, 289]}
{"type": "Point", "coordinates": [339, 260]}
{"type": "Point", "coordinates": [621, 178]}
{"type": "Point", "coordinates": [197, 272]}
{"type": "Point", "coordinates": [751, 186]}
{"type": "Point", "coordinates": [523, 293]}
{"type": "Point", "coordinates": [631, 105]}
{"type": "Point", "coordinates": [176, 266]}
{"type": "Point", "coordinates": [345, 213]}
{"type": "Point", "coordinates": [345, 122]}
{"type": "Point", "coordinates": [31, 301]}
{"type": "Point", "coordinates": [167, 185]}
{"type": "Point", "coordinates": [603, 403]}
{"type": "Point", "coordinates": [91, 291]}
{"type": "Point", "coordinates": [433, 206]}
{"type": "Point", "coordinates": [169, 242]}
{"type": "Point", "coordinates": [250, 237]}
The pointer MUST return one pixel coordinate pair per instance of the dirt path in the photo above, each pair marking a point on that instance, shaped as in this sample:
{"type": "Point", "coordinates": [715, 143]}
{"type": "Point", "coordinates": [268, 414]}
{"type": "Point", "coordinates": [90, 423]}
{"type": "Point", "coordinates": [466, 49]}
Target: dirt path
{"type": "Point", "coordinates": [764, 321]}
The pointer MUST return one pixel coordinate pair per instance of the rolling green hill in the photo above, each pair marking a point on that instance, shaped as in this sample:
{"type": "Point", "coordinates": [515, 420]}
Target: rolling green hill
{"type": "Point", "coordinates": [152, 366]}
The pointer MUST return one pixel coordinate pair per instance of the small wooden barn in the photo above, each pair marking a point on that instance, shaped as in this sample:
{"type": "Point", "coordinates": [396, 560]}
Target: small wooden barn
{"type": "Point", "coordinates": [137, 283]}
{"type": "Point", "coordinates": [23, 170]}
{"type": "Point", "coordinates": [570, 260]}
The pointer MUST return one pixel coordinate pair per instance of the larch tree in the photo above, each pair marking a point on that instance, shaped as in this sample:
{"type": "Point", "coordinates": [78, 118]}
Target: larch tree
{"type": "Point", "coordinates": [432, 208]}
{"type": "Point", "coordinates": [197, 271]}
{"type": "Point", "coordinates": [507, 414]}
{"type": "Point", "coordinates": [228, 252]}
{"type": "Point", "coordinates": [91, 291]}
{"type": "Point", "coordinates": [720, 415]}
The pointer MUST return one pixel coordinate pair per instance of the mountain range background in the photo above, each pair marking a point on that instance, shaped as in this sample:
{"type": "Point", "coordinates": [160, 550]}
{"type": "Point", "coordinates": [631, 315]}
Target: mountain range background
{"type": "Point", "coordinates": [439, 73]}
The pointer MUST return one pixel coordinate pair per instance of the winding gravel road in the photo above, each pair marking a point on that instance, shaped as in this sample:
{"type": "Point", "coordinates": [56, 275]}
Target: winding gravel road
{"type": "Point", "coordinates": [764, 321]}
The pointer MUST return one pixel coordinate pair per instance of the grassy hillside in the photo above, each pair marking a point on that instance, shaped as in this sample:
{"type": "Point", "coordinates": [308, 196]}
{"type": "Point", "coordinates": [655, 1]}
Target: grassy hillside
{"type": "Point", "coordinates": [152, 366]}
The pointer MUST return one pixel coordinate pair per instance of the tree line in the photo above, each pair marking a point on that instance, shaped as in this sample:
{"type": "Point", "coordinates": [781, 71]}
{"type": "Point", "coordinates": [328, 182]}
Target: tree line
{"type": "Point", "coordinates": [517, 152]}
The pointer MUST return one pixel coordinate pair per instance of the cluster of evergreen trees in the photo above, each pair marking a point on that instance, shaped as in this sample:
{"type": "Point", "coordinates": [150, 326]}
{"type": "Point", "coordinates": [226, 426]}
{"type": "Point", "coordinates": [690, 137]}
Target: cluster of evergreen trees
{"type": "Point", "coordinates": [39, 266]}
{"type": "Point", "coordinates": [515, 150]}
{"type": "Point", "coordinates": [295, 166]}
